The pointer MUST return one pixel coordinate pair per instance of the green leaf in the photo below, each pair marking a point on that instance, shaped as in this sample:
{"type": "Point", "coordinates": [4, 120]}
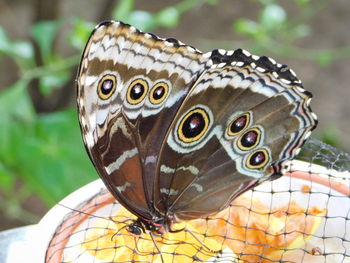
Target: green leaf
{"type": "Point", "coordinates": [49, 155]}
{"type": "Point", "coordinates": [123, 10]}
{"type": "Point", "coordinates": [266, 2]}
{"type": "Point", "coordinates": [272, 16]}
{"type": "Point", "coordinates": [4, 40]}
{"type": "Point", "coordinates": [212, 2]}
{"type": "Point", "coordinates": [302, 30]}
{"type": "Point", "coordinates": [15, 109]}
{"type": "Point", "coordinates": [21, 51]}
{"type": "Point", "coordinates": [80, 33]}
{"type": "Point", "coordinates": [52, 80]}
{"type": "Point", "coordinates": [168, 17]}
{"type": "Point", "coordinates": [246, 27]}
{"type": "Point", "coordinates": [7, 180]}
{"type": "Point", "coordinates": [15, 103]}
{"type": "Point", "coordinates": [44, 33]}
{"type": "Point", "coordinates": [302, 2]}
{"type": "Point", "coordinates": [142, 20]}
{"type": "Point", "coordinates": [324, 59]}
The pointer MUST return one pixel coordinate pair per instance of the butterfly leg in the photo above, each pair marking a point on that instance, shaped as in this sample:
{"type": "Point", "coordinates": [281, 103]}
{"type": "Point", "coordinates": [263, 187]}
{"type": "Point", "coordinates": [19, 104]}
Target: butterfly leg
{"type": "Point", "coordinates": [200, 242]}
{"type": "Point", "coordinates": [156, 245]}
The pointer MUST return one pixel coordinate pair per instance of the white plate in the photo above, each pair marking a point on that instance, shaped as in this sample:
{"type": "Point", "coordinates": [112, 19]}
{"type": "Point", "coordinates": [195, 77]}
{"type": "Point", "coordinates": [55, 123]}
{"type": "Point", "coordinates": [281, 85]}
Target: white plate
{"type": "Point", "coordinates": [329, 189]}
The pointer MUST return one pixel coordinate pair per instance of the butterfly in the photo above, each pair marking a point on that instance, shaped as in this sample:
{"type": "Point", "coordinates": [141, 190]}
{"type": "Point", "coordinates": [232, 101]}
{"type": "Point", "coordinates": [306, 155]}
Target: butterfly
{"type": "Point", "coordinates": [177, 134]}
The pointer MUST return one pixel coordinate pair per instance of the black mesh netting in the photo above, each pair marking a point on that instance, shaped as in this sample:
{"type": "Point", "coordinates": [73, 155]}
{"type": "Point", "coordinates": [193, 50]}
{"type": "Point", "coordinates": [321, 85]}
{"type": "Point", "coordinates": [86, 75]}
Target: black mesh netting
{"type": "Point", "coordinates": [300, 217]}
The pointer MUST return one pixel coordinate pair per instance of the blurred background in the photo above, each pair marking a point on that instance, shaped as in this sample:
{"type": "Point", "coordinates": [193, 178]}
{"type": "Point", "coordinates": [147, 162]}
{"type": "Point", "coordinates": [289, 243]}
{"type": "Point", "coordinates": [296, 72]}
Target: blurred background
{"type": "Point", "coordinates": [42, 158]}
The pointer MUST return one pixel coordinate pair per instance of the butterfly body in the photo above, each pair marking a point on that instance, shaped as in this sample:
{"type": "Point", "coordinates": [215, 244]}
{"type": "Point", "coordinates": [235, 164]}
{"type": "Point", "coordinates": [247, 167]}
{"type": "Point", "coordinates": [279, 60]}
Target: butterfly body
{"type": "Point", "coordinates": [176, 134]}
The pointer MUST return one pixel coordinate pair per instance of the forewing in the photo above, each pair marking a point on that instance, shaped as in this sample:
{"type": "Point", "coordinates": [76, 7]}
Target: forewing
{"type": "Point", "coordinates": [243, 117]}
{"type": "Point", "coordinates": [123, 130]}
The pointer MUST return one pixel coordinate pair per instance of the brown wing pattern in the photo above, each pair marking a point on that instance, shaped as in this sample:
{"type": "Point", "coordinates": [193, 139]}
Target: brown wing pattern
{"type": "Point", "coordinates": [237, 122]}
{"type": "Point", "coordinates": [172, 131]}
{"type": "Point", "coordinates": [130, 85]}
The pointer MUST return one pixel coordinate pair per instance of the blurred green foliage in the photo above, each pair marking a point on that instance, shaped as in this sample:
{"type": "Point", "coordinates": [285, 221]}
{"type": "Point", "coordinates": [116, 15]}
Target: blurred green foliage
{"type": "Point", "coordinates": [43, 153]}
{"type": "Point", "coordinates": [276, 33]}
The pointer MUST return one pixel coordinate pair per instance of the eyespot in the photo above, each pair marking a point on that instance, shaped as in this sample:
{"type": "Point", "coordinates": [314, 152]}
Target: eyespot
{"type": "Point", "coordinates": [249, 139]}
{"type": "Point", "coordinates": [193, 125]}
{"type": "Point", "coordinates": [238, 124]}
{"type": "Point", "coordinates": [257, 159]}
{"type": "Point", "coordinates": [159, 92]}
{"type": "Point", "coordinates": [137, 91]}
{"type": "Point", "coordinates": [106, 86]}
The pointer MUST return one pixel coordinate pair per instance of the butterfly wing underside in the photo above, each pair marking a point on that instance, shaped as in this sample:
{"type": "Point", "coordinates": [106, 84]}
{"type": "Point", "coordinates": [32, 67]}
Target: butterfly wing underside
{"type": "Point", "coordinates": [130, 86]}
{"type": "Point", "coordinates": [174, 132]}
{"type": "Point", "coordinates": [244, 115]}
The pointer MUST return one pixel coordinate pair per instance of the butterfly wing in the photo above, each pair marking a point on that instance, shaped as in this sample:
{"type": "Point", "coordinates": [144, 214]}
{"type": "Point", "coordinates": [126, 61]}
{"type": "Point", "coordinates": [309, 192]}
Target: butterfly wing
{"type": "Point", "coordinates": [243, 116]}
{"type": "Point", "coordinates": [130, 86]}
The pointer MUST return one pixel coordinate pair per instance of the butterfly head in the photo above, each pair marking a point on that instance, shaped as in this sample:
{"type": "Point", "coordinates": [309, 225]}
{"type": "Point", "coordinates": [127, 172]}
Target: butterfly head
{"type": "Point", "coordinates": [157, 226]}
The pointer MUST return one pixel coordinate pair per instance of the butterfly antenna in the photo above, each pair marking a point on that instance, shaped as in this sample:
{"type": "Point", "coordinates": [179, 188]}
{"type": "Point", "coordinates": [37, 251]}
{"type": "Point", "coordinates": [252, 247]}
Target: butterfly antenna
{"type": "Point", "coordinates": [200, 242]}
{"type": "Point", "coordinates": [124, 221]}
{"type": "Point", "coordinates": [116, 233]}
{"type": "Point", "coordinates": [138, 252]}
{"type": "Point", "coordinates": [156, 245]}
{"type": "Point", "coordinates": [177, 231]}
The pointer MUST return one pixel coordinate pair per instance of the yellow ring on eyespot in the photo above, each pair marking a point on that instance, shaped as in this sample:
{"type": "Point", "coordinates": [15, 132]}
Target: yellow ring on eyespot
{"type": "Point", "coordinates": [99, 87]}
{"type": "Point", "coordinates": [239, 141]}
{"type": "Point", "coordinates": [247, 115]}
{"type": "Point", "coordinates": [132, 84]}
{"type": "Point", "coordinates": [205, 116]}
{"type": "Point", "coordinates": [158, 101]}
{"type": "Point", "coordinates": [266, 154]}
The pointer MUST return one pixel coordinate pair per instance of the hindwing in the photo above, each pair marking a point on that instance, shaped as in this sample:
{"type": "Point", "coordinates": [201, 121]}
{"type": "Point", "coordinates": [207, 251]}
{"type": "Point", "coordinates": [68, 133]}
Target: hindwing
{"type": "Point", "coordinates": [237, 125]}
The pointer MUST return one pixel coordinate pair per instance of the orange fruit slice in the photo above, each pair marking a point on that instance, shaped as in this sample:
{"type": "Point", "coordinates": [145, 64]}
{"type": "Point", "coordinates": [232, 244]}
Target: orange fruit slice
{"type": "Point", "coordinates": [253, 231]}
